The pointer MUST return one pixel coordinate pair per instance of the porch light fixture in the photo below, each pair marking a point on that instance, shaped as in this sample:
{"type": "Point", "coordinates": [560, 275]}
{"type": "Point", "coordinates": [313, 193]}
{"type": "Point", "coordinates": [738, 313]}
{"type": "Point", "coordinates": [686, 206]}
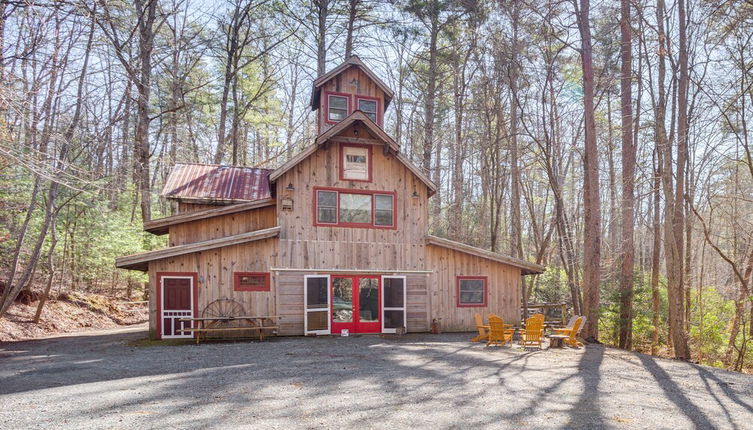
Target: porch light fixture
{"type": "Point", "coordinates": [290, 187]}
{"type": "Point", "coordinates": [415, 194]}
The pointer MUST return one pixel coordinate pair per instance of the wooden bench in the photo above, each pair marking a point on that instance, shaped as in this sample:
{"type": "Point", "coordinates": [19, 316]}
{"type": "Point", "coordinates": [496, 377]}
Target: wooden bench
{"type": "Point", "coordinates": [206, 325]}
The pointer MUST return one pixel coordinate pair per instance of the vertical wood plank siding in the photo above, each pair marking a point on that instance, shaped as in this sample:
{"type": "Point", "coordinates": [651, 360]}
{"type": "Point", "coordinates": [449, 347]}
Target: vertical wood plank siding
{"type": "Point", "coordinates": [215, 274]}
{"type": "Point", "coordinates": [503, 288]}
{"type": "Point", "coordinates": [222, 226]}
{"type": "Point", "coordinates": [353, 81]}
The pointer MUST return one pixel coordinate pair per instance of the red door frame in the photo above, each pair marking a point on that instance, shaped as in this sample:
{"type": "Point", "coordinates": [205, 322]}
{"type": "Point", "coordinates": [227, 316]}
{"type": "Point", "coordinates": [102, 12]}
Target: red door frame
{"type": "Point", "coordinates": [158, 294]}
{"type": "Point", "coordinates": [355, 326]}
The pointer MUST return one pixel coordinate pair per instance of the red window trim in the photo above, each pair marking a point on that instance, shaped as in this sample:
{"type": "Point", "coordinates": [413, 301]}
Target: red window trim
{"type": "Point", "coordinates": [378, 107]}
{"type": "Point", "coordinates": [342, 161]}
{"type": "Point", "coordinates": [158, 295]}
{"type": "Point", "coordinates": [355, 225]}
{"type": "Point", "coordinates": [237, 281]}
{"type": "Point", "coordinates": [348, 101]}
{"type": "Point", "coordinates": [472, 305]}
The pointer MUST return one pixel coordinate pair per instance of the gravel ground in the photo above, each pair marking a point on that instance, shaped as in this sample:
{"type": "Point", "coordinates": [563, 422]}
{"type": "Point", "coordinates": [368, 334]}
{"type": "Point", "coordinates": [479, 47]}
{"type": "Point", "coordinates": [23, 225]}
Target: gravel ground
{"type": "Point", "coordinates": [99, 380]}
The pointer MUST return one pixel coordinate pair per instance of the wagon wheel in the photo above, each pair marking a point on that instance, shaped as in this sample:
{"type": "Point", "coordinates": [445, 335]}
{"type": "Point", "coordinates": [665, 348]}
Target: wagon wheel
{"type": "Point", "coordinates": [223, 308]}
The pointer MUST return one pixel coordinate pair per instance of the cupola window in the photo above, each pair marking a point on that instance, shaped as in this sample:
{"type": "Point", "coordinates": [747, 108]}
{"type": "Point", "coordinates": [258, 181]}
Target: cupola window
{"type": "Point", "coordinates": [369, 107]}
{"type": "Point", "coordinates": [337, 107]}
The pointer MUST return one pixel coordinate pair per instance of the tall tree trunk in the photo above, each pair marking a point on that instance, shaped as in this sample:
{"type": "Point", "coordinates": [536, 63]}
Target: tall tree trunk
{"type": "Point", "coordinates": [655, 260]}
{"type": "Point", "coordinates": [230, 71]}
{"type": "Point", "coordinates": [51, 272]}
{"type": "Point", "coordinates": [455, 218]}
{"type": "Point", "coordinates": [430, 96]}
{"type": "Point", "coordinates": [675, 206]}
{"type": "Point", "coordinates": [516, 234]}
{"type": "Point", "coordinates": [352, 16]}
{"type": "Point", "coordinates": [322, 10]}
{"type": "Point", "coordinates": [627, 247]}
{"type": "Point", "coordinates": [147, 16]}
{"type": "Point", "coordinates": [591, 198]}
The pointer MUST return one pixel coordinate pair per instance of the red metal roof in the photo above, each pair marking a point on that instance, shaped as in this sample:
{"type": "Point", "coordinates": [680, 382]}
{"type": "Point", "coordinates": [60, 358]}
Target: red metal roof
{"type": "Point", "coordinates": [213, 182]}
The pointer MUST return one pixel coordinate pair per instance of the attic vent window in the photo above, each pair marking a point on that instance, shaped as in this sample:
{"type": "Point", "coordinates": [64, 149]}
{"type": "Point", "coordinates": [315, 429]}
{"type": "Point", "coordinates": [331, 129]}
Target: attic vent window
{"type": "Point", "coordinates": [356, 165]}
{"type": "Point", "coordinates": [369, 107]}
{"type": "Point", "coordinates": [337, 108]}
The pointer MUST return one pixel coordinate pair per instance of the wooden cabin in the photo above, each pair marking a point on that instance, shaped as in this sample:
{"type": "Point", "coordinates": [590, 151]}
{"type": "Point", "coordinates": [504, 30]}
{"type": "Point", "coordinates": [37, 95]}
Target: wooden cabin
{"type": "Point", "coordinates": [335, 238]}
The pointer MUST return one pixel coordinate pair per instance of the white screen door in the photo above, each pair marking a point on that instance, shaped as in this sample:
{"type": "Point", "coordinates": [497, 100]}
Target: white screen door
{"type": "Point", "coordinates": [316, 318]}
{"type": "Point", "coordinates": [394, 298]}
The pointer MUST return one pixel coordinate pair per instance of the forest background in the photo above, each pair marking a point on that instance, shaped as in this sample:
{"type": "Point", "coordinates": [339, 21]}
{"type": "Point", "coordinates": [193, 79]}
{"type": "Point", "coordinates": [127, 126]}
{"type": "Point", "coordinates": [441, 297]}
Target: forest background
{"type": "Point", "coordinates": [607, 140]}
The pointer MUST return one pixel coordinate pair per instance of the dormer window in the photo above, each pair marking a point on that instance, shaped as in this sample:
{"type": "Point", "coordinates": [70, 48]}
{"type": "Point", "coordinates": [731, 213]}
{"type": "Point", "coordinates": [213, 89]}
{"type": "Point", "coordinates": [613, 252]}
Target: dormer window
{"type": "Point", "coordinates": [337, 107]}
{"type": "Point", "coordinates": [355, 162]}
{"type": "Point", "coordinates": [369, 106]}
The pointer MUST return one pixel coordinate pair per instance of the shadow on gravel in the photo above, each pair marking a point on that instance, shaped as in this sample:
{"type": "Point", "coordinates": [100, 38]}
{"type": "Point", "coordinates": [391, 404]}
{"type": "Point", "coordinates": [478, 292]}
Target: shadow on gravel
{"type": "Point", "coordinates": [586, 411]}
{"type": "Point", "coordinates": [674, 393]}
{"type": "Point", "coordinates": [706, 376]}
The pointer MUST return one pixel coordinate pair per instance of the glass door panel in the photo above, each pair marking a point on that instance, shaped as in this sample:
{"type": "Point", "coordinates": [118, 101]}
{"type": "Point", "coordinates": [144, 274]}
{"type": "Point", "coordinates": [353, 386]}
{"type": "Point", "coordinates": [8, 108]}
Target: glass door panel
{"type": "Point", "coordinates": [394, 300]}
{"type": "Point", "coordinates": [342, 300]}
{"type": "Point", "coordinates": [316, 303]}
{"type": "Point", "coordinates": [368, 300]}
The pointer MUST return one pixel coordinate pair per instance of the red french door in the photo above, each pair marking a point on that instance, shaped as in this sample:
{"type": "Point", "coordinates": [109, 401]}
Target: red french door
{"type": "Point", "coordinates": [356, 304]}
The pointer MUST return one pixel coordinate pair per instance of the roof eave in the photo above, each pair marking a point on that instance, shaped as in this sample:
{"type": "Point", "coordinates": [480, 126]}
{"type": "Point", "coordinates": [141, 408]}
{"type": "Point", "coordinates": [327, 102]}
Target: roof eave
{"type": "Point", "coordinates": [141, 261]}
{"type": "Point", "coordinates": [525, 267]}
{"type": "Point", "coordinates": [162, 225]}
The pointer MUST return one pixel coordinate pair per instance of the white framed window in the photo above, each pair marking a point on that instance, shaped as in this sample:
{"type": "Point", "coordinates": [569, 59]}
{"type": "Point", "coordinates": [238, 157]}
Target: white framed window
{"type": "Point", "coordinates": [356, 163]}
{"type": "Point", "coordinates": [337, 107]}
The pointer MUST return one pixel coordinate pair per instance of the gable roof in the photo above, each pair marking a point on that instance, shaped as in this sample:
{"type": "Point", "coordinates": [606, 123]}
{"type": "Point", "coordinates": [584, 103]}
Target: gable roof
{"type": "Point", "coordinates": [353, 61]}
{"type": "Point", "coordinates": [377, 131]}
{"type": "Point", "coordinates": [373, 128]}
{"type": "Point", "coordinates": [215, 183]}
{"type": "Point", "coordinates": [527, 268]}
{"type": "Point", "coordinates": [141, 261]}
{"type": "Point", "coordinates": [161, 225]}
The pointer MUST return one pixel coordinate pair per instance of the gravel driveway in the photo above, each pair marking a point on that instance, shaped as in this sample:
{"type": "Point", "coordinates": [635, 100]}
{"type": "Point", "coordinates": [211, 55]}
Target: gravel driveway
{"type": "Point", "coordinates": [98, 380]}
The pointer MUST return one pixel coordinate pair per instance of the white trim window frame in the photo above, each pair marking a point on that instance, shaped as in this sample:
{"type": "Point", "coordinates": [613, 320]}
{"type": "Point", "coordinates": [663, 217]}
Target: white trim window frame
{"type": "Point", "coordinates": [176, 318]}
{"type": "Point", "coordinates": [306, 309]}
{"type": "Point", "coordinates": [395, 308]}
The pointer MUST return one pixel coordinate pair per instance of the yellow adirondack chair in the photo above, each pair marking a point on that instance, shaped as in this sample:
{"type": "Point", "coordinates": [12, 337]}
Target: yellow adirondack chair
{"type": "Point", "coordinates": [498, 335]}
{"type": "Point", "coordinates": [483, 330]}
{"type": "Point", "coordinates": [533, 334]}
{"type": "Point", "coordinates": [572, 332]}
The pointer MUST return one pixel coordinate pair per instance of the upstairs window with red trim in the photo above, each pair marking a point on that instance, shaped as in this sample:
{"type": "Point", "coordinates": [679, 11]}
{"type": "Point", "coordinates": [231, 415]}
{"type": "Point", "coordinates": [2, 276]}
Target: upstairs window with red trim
{"type": "Point", "coordinates": [251, 281]}
{"type": "Point", "coordinates": [472, 291]}
{"type": "Point", "coordinates": [369, 106]}
{"type": "Point", "coordinates": [354, 208]}
{"type": "Point", "coordinates": [337, 107]}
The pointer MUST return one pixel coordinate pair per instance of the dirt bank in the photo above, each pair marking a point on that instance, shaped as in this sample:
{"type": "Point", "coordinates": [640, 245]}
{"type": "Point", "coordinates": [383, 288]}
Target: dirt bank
{"type": "Point", "coordinates": [69, 313]}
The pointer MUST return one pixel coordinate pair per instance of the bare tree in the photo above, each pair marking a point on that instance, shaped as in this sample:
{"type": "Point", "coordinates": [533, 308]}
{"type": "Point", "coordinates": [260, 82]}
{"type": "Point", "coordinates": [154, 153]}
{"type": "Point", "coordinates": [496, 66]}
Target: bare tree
{"type": "Point", "coordinates": [591, 198]}
{"type": "Point", "coordinates": [627, 246]}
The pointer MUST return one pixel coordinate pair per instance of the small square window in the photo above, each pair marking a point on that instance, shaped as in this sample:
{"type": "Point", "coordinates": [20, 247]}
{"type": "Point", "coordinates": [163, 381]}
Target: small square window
{"type": "Point", "coordinates": [471, 291]}
{"type": "Point", "coordinates": [337, 108]}
{"type": "Point", "coordinates": [355, 163]}
{"type": "Point", "coordinates": [369, 107]}
{"type": "Point", "coordinates": [251, 281]}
